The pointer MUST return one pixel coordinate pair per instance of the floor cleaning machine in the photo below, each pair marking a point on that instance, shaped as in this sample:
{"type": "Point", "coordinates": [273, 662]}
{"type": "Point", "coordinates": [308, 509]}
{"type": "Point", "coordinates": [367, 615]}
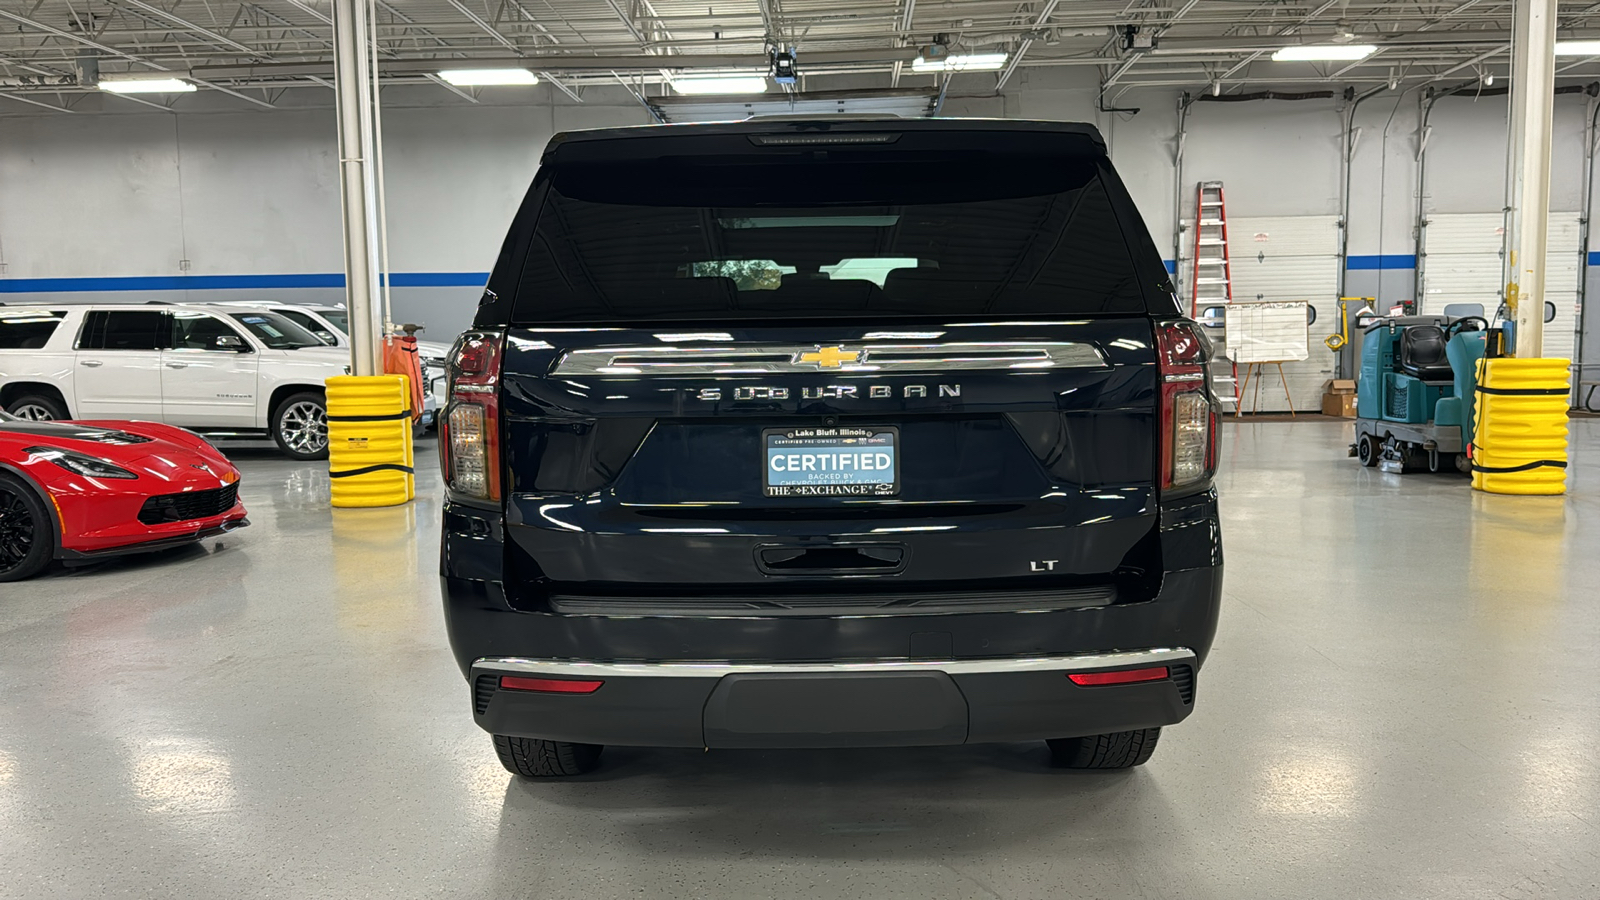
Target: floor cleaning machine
{"type": "Point", "coordinates": [1415, 391]}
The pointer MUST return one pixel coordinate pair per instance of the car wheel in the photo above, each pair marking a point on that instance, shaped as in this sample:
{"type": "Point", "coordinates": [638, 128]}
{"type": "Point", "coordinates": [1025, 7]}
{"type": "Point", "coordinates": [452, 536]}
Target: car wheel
{"type": "Point", "coordinates": [1367, 450]}
{"type": "Point", "coordinates": [535, 758]}
{"type": "Point", "coordinates": [300, 426]}
{"type": "Point", "coordinates": [1117, 750]}
{"type": "Point", "coordinates": [37, 408]}
{"type": "Point", "coordinates": [27, 536]}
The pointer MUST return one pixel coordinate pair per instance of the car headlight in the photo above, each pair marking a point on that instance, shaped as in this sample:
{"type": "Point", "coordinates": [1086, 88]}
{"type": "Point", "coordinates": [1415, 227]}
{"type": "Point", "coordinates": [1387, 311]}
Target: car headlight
{"type": "Point", "coordinates": [80, 463]}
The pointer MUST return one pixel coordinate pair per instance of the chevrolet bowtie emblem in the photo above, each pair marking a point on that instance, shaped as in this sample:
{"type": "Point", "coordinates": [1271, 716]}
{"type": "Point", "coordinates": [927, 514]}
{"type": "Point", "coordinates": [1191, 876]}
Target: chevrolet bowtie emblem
{"type": "Point", "coordinates": [829, 357]}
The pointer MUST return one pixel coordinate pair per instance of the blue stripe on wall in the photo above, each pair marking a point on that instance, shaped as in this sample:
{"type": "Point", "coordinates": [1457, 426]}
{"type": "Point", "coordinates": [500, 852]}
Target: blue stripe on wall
{"type": "Point", "coordinates": [1594, 257]}
{"type": "Point", "coordinates": [1172, 266]}
{"type": "Point", "coordinates": [1386, 261]}
{"type": "Point", "coordinates": [227, 282]}
{"type": "Point", "coordinates": [437, 279]}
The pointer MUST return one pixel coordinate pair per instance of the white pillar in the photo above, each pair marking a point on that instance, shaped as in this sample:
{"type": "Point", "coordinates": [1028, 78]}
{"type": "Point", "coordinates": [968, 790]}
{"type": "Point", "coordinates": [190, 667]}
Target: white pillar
{"type": "Point", "coordinates": [353, 89]}
{"type": "Point", "coordinates": [1532, 99]}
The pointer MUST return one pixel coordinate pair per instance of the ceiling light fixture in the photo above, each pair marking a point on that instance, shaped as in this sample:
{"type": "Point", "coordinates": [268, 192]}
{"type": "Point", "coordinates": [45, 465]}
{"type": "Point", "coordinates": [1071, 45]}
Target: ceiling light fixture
{"type": "Point", "coordinates": [960, 62]}
{"type": "Point", "coordinates": [720, 84]}
{"type": "Point", "coordinates": [146, 86]}
{"type": "Point", "coordinates": [481, 77]}
{"type": "Point", "coordinates": [1578, 48]}
{"type": "Point", "coordinates": [1324, 52]}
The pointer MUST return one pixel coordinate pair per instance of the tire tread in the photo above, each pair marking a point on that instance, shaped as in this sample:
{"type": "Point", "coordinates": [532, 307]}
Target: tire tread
{"type": "Point", "coordinates": [536, 758]}
{"type": "Point", "coordinates": [1117, 750]}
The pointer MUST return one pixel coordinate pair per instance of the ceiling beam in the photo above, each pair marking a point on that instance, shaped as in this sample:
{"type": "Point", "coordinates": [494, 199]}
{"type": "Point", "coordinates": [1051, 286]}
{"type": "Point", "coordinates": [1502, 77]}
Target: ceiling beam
{"type": "Point", "coordinates": [50, 106]}
{"type": "Point", "coordinates": [87, 42]}
{"type": "Point", "coordinates": [190, 26]}
{"type": "Point", "coordinates": [1133, 58]}
{"type": "Point", "coordinates": [907, 12]}
{"type": "Point", "coordinates": [1022, 48]}
{"type": "Point", "coordinates": [489, 29]}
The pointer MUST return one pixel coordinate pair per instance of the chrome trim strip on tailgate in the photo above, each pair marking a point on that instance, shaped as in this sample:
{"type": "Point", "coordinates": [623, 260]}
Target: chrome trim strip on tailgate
{"type": "Point", "coordinates": [887, 359]}
{"type": "Point", "coordinates": [1114, 660]}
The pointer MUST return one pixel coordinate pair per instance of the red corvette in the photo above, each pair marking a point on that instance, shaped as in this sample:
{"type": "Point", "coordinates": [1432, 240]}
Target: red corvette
{"type": "Point", "coordinates": [81, 491]}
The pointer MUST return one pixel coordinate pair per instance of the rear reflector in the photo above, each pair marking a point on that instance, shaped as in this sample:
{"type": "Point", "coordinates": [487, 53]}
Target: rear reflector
{"type": "Point", "coordinates": [1126, 676]}
{"type": "Point", "coordinates": [559, 685]}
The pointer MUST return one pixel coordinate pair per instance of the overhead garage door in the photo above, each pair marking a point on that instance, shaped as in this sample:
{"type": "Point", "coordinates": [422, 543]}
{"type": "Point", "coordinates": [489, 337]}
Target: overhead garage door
{"type": "Point", "coordinates": [1462, 264]}
{"type": "Point", "coordinates": [1290, 258]}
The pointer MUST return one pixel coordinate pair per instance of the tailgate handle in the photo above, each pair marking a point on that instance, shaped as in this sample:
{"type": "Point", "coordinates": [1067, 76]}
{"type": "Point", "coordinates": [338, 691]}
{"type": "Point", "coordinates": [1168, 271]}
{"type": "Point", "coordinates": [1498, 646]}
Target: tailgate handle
{"type": "Point", "coordinates": [831, 559]}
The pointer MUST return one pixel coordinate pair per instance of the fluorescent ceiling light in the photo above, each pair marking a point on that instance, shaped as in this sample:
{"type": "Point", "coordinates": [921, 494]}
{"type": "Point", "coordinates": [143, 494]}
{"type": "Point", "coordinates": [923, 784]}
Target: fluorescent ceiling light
{"type": "Point", "coordinates": [967, 62]}
{"type": "Point", "coordinates": [1323, 52]}
{"type": "Point", "coordinates": [720, 84]}
{"type": "Point", "coordinates": [478, 77]}
{"type": "Point", "coordinates": [1578, 48]}
{"type": "Point", "coordinates": [147, 86]}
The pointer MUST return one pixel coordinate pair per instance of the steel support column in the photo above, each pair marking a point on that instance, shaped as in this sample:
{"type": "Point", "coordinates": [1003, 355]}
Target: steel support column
{"type": "Point", "coordinates": [1532, 102]}
{"type": "Point", "coordinates": [357, 178]}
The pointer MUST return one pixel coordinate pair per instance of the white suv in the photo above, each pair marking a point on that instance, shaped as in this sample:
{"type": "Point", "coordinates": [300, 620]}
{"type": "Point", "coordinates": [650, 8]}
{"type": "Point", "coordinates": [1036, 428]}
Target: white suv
{"type": "Point", "coordinates": [235, 372]}
{"type": "Point", "coordinates": [332, 324]}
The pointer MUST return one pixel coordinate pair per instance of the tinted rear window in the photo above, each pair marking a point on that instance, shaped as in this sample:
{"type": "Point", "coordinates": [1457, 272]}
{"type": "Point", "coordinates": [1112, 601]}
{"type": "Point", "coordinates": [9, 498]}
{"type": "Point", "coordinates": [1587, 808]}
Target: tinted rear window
{"type": "Point", "coordinates": [28, 329]}
{"type": "Point", "coordinates": [816, 235]}
{"type": "Point", "coordinates": [124, 330]}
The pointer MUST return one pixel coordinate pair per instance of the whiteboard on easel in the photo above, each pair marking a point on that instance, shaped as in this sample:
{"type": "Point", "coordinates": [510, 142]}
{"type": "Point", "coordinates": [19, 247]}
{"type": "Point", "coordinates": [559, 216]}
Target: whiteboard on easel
{"type": "Point", "coordinates": [1266, 332]}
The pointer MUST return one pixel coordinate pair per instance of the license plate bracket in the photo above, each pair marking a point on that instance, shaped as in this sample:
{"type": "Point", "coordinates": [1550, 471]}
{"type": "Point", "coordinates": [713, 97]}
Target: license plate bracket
{"type": "Point", "coordinates": [841, 461]}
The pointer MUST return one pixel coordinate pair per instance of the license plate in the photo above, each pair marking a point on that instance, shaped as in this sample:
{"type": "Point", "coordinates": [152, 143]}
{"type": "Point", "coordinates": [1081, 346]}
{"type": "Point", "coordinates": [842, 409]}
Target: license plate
{"type": "Point", "coordinates": [832, 462]}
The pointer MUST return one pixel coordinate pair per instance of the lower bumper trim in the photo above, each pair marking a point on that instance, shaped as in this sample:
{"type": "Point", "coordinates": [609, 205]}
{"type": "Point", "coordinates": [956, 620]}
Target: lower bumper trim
{"type": "Point", "coordinates": [162, 543]}
{"type": "Point", "coordinates": [851, 704]}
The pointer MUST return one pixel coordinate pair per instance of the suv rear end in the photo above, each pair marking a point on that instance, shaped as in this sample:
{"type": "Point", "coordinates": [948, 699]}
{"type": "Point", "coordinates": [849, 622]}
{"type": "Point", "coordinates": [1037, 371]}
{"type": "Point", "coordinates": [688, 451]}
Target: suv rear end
{"type": "Point", "coordinates": [824, 434]}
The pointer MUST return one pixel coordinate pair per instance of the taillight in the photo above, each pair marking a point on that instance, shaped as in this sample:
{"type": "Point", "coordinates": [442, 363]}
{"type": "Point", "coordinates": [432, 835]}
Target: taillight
{"type": "Point", "coordinates": [1188, 419]}
{"type": "Point", "coordinates": [469, 438]}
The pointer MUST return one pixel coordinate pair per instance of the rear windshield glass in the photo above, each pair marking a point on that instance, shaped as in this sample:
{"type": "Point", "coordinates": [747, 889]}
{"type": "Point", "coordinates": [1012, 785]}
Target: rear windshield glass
{"type": "Point", "coordinates": [675, 239]}
{"type": "Point", "coordinates": [28, 329]}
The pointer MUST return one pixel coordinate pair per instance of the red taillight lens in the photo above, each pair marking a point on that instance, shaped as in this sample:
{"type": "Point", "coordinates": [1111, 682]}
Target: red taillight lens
{"type": "Point", "coordinates": [469, 434]}
{"type": "Point", "coordinates": [1188, 420]}
{"type": "Point", "coordinates": [554, 685]}
{"type": "Point", "coordinates": [1126, 676]}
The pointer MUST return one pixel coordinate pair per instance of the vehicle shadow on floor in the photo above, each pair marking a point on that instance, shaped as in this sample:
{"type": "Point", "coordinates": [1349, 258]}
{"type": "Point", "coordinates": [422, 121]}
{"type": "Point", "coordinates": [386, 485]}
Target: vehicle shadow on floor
{"type": "Point", "coordinates": [906, 804]}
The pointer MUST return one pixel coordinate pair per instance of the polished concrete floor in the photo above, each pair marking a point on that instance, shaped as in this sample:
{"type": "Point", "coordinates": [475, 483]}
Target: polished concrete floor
{"type": "Point", "coordinates": [1402, 702]}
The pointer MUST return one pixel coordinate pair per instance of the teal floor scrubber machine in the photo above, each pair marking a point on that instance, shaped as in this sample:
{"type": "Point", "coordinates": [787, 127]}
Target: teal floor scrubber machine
{"type": "Point", "coordinates": [1415, 391]}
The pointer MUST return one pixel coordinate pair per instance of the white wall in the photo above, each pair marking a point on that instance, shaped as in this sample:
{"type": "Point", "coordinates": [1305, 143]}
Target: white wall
{"type": "Point", "coordinates": [129, 192]}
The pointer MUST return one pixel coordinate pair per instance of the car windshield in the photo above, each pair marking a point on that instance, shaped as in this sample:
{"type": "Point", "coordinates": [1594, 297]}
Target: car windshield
{"type": "Point", "coordinates": [277, 332]}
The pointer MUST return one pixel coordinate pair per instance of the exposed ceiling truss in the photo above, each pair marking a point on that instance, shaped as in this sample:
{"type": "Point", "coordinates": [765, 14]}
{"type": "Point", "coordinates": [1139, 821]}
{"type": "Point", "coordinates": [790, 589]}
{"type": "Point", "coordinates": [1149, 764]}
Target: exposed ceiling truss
{"type": "Point", "coordinates": [52, 51]}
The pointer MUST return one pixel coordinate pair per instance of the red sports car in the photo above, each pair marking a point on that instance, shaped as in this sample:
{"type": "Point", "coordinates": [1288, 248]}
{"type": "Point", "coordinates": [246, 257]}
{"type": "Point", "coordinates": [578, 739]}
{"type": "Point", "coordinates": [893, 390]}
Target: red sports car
{"type": "Point", "coordinates": [81, 491]}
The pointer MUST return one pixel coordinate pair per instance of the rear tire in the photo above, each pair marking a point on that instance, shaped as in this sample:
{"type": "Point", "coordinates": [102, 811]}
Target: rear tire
{"type": "Point", "coordinates": [1367, 450]}
{"type": "Point", "coordinates": [535, 758]}
{"type": "Point", "coordinates": [27, 533]}
{"type": "Point", "coordinates": [1117, 750]}
{"type": "Point", "coordinates": [300, 426]}
{"type": "Point", "coordinates": [37, 408]}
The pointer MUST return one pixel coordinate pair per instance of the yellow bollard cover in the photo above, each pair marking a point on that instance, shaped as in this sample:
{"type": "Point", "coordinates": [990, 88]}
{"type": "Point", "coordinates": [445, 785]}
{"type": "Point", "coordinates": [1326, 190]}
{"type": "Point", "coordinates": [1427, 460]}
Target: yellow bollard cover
{"type": "Point", "coordinates": [370, 457]}
{"type": "Point", "coordinates": [1519, 442]}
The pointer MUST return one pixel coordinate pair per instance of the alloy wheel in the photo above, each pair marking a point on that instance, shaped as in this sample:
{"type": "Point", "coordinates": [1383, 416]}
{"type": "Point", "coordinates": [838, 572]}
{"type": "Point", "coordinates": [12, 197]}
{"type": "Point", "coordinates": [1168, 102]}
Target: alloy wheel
{"type": "Point", "coordinates": [16, 530]}
{"type": "Point", "coordinates": [34, 412]}
{"type": "Point", "coordinates": [304, 427]}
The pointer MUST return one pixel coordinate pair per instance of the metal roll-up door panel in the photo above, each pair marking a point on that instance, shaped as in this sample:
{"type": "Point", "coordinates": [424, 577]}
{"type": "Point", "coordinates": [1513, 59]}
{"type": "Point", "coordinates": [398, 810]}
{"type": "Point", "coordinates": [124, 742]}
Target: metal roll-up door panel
{"type": "Point", "coordinates": [1462, 263]}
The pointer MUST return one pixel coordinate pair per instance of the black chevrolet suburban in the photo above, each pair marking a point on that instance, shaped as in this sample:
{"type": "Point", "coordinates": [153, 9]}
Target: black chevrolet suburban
{"type": "Point", "coordinates": [829, 433]}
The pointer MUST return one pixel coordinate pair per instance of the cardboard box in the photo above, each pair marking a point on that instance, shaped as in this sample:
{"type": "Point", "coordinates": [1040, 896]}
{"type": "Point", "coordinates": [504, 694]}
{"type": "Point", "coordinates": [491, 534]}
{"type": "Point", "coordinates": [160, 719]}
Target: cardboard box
{"type": "Point", "coordinates": [1342, 386]}
{"type": "Point", "coordinates": [1341, 405]}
